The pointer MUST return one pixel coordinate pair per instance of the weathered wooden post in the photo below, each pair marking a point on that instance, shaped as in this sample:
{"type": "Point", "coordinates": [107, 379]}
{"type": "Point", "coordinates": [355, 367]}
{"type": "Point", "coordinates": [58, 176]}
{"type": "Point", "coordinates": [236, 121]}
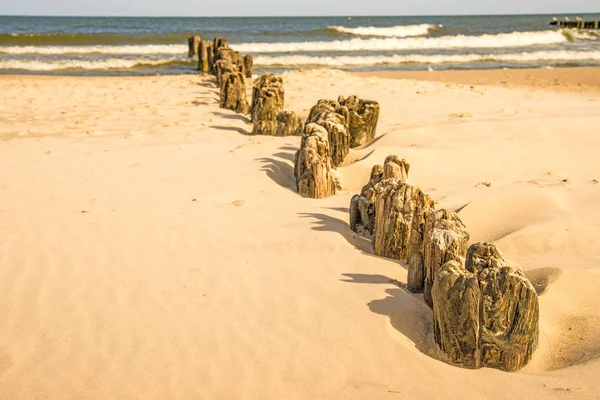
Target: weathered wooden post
{"type": "Point", "coordinates": [445, 239]}
{"type": "Point", "coordinates": [362, 206]}
{"type": "Point", "coordinates": [233, 92]}
{"type": "Point", "coordinates": [211, 57]}
{"type": "Point", "coordinates": [267, 103]}
{"type": "Point", "coordinates": [399, 219]}
{"type": "Point", "coordinates": [312, 165]}
{"type": "Point", "coordinates": [485, 314]}
{"type": "Point", "coordinates": [218, 43]}
{"type": "Point", "coordinates": [193, 43]}
{"type": "Point", "coordinates": [203, 50]}
{"type": "Point", "coordinates": [248, 63]}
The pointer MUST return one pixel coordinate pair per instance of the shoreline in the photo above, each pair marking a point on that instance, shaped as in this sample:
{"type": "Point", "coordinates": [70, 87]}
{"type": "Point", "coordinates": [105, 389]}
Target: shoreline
{"type": "Point", "coordinates": [563, 79]}
{"type": "Point", "coordinates": [570, 79]}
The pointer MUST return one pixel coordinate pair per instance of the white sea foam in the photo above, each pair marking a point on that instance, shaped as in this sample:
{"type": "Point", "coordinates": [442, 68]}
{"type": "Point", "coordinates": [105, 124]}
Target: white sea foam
{"type": "Point", "coordinates": [299, 60]}
{"type": "Point", "coordinates": [126, 49]}
{"type": "Point", "coordinates": [561, 55]}
{"type": "Point", "coordinates": [515, 39]}
{"type": "Point", "coordinates": [394, 31]}
{"type": "Point", "coordinates": [115, 63]}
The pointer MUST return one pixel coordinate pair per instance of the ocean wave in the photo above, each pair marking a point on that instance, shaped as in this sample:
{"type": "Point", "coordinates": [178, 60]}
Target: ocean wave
{"type": "Point", "coordinates": [515, 39]}
{"type": "Point", "coordinates": [126, 49]}
{"type": "Point", "coordinates": [540, 56]}
{"type": "Point", "coordinates": [81, 39]}
{"type": "Point", "coordinates": [394, 31]}
{"type": "Point", "coordinates": [108, 64]}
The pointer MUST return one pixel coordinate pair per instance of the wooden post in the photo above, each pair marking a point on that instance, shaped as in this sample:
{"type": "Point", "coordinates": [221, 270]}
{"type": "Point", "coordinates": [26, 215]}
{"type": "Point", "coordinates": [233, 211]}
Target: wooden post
{"type": "Point", "coordinates": [248, 62]}
{"type": "Point", "coordinates": [219, 42]}
{"type": "Point", "coordinates": [203, 56]}
{"type": "Point", "coordinates": [211, 58]}
{"type": "Point", "coordinates": [596, 24]}
{"type": "Point", "coordinates": [193, 43]}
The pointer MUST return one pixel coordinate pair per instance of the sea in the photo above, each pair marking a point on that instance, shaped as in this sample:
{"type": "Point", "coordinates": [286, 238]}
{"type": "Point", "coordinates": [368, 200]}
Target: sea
{"type": "Point", "coordinates": [158, 46]}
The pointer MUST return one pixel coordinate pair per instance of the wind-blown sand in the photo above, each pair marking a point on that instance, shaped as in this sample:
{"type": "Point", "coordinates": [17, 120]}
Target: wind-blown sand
{"type": "Point", "coordinates": [150, 249]}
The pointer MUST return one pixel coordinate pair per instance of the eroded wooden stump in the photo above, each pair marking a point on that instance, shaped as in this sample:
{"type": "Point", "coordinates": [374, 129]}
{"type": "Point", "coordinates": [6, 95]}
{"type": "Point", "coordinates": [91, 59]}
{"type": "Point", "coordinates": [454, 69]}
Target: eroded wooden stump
{"type": "Point", "coordinates": [233, 92]}
{"type": "Point", "coordinates": [394, 167]}
{"type": "Point", "coordinates": [267, 104]}
{"type": "Point", "coordinates": [339, 140]}
{"type": "Point", "coordinates": [486, 314]}
{"type": "Point", "coordinates": [445, 239]}
{"type": "Point", "coordinates": [221, 68]}
{"type": "Point", "coordinates": [227, 60]}
{"type": "Point", "coordinates": [219, 42]}
{"type": "Point", "coordinates": [312, 165]}
{"type": "Point", "coordinates": [416, 273]}
{"type": "Point", "coordinates": [362, 206]}
{"type": "Point", "coordinates": [267, 80]}
{"type": "Point", "coordinates": [399, 219]}
{"type": "Point", "coordinates": [248, 65]}
{"type": "Point", "coordinates": [322, 106]}
{"type": "Point", "coordinates": [203, 60]}
{"type": "Point", "coordinates": [288, 124]}
{"type": "Point", "coordinates": [193, 43]}
{"type": "Point", "coordinates": [363, 118]}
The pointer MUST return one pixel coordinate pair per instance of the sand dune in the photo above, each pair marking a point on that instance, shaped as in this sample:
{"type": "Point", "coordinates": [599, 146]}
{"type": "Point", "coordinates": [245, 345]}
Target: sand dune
{"type": "Point", "coordinates": [151, 249]}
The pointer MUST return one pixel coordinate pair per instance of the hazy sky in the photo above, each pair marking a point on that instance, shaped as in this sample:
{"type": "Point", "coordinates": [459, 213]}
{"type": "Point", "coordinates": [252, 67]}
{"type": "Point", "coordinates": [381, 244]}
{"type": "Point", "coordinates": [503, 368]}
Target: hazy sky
{"type": "Point", "coordinates": [293, 7]}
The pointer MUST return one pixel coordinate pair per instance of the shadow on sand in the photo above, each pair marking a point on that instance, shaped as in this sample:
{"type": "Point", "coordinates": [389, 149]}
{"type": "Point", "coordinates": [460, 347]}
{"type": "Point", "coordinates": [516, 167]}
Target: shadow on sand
{"type": "Point", "coordinates": [407, 312]}
{"type": "Point", "coordinates": [232, 129]}
{"type": "Point", "coordinates": [280, 167]}
{"type": "Point", "coordinates": [237, 117]}
{"type": "Point", "coordinates": [326, 223]}
{"type": "Point", "coordinates": [205, 101]}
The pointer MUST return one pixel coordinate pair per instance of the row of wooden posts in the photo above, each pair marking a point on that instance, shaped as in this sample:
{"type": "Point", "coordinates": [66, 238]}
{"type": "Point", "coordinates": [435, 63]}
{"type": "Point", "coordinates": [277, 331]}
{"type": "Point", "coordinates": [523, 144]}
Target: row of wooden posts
{"type": "Point", "coordinates": [577, 24]}
{"type": "Point", "coordinates": [485, 311]}
{"type": "Point", "coordinates": [207, 54]}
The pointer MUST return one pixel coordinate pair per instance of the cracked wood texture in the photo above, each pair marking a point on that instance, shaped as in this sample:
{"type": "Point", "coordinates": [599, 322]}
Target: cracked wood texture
{"type": "Point", "coordinates": [416, 273]}
{"type": "Point", "coordinates": [233, 93]}
{"type": "Point", "coordinates": [339, 140]}
{"type": "Point", "coordinates": [227, 60]}
{"type": "Point", "coordinates": [445, 239]}
{"type": "Point", "coordinates": [267, 104]}
{"type": "Point", "coordinates": [362, 121]}
{"type": "Point", "coordinates": [288, 124]}
{"type": "Point", "coordinates": [312, 165]}
{"type": "Point", "coordinates": [486, 314]}
{"type": "Point", "coordinates": [362, 206]}
{"type": "Point", "coordinates": [394, 167]}
{"type": "Point", "coordinates": [399, 218]}
{"type": "Point", "coordinates": [361, 117]}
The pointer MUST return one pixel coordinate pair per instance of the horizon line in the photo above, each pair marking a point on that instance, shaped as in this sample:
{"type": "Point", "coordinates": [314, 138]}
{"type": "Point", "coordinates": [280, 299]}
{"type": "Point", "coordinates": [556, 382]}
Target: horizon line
{"type": "Point", "coordinates": [298, 16]}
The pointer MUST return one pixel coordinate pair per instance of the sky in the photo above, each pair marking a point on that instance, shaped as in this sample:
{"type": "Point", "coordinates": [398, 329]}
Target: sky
{"type": "Point", "coordinates": [201, 8]}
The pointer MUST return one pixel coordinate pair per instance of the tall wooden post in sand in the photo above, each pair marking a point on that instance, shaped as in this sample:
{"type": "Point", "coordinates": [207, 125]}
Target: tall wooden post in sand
{"type": "Point", "coordinates": [193, 43]}
{"type": "Point", "coordinates": [203, 56]}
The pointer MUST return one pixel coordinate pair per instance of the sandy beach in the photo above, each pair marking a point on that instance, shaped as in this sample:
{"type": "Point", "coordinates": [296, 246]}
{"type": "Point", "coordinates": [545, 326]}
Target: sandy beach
{"type": "Point", "coordinates": [150, 248]}
{"type": "Point", "coordinates": [582, 79]}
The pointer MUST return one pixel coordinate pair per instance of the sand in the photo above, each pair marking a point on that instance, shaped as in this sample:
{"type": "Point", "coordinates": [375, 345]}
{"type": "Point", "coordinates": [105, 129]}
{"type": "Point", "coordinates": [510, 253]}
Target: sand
{"type": "Point", "coordinates": [151, 249]}
{"type": "Point", "coordinates": [582, 79]}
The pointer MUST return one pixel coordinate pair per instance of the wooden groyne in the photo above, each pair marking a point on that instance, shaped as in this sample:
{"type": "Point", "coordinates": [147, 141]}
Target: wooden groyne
{"type": "Point", "coordinates": [577, 24]}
